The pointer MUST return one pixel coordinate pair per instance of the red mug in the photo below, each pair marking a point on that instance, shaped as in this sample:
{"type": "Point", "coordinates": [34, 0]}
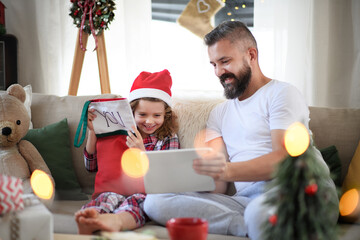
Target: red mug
{"type": "Point", "coordinates": [187, 228]}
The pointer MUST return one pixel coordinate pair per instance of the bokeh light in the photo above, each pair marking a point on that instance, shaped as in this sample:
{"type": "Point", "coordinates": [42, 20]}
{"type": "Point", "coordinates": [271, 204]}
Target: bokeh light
{"type": "Point", "coordinates": [297, 139]}
{"type": "Point", "coordinates": [41, 184]}
{"type": "Point", "coordinates": [134, 164]}
{"type": "Point", "coordinates": [349, 202]}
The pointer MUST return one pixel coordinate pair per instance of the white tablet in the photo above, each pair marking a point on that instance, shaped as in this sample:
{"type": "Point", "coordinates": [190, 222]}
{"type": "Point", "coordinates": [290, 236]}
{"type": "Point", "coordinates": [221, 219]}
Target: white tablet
{"type": "Point", "coordinates": [171, 171]}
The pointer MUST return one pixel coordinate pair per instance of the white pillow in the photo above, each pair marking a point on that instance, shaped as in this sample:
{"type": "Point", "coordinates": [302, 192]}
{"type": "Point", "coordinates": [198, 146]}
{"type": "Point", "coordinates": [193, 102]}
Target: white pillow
{"type": "Point", "coordinates": [27, 103]}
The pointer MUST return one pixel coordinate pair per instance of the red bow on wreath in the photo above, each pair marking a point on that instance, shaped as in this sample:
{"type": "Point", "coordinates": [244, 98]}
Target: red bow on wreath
{"type": "Point", "coordinates": [87, 8]}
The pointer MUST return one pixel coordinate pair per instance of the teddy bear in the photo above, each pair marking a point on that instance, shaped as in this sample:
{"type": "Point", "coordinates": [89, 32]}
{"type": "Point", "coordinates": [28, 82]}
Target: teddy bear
{"type": "Point", "coordinates": [18, 158]}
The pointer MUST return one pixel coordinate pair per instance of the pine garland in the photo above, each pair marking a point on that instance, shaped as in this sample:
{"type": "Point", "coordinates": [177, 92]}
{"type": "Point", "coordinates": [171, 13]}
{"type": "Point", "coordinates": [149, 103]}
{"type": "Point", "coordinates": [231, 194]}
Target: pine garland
{"type": "Point", "coordinates": [303, 204]}
{"type": "Point", "coordinates": [102, 14]}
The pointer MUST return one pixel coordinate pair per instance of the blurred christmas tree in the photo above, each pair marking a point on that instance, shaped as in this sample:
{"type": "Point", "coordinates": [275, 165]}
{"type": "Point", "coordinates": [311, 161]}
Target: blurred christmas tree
{"type": "Point", "coordinates": [303, 205]}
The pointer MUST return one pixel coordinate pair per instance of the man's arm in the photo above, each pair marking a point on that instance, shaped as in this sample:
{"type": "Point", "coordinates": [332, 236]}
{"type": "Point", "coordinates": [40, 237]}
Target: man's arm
{"type": "Point", "coordinates": [257, 169]}
{"type": "Point", "coordinates": [260, 168]}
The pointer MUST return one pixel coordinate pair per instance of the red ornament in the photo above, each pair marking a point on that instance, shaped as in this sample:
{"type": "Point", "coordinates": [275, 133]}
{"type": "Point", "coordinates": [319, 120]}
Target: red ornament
{"type": "Point", "coordinates": [76, 12]}
{"type": "Point", "coordinates": [273, 219]}
{"type": "Point", "coordinates": [102, 24]}
{"type": "Point", "coordinates": [98, 12]}
{"type": "Point", "coordinates": [311, 189]}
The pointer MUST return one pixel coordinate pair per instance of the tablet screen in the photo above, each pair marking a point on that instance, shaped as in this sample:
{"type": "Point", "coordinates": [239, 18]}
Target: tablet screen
{"type": "Point", "coordinates": [171, 171]}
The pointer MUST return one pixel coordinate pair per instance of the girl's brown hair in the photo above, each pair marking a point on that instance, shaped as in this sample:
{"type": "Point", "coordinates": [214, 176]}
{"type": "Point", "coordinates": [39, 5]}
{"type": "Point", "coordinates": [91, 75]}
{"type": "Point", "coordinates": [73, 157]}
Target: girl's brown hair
{"type": "Point", "coordinates": [170, 125]}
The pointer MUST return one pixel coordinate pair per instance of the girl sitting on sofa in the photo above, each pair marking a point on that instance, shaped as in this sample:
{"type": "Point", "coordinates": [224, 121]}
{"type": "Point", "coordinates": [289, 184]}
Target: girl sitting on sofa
{"type": "Point", "coordinates": [150, 100]}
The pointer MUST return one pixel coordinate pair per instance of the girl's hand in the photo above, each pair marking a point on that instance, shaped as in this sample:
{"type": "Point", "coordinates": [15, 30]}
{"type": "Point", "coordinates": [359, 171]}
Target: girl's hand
{"type": "Point", "coordinates": [133, 141]}
{"type": "Point", "coordinates": [91, 117]}
{"type": "Point", "coordinates": [212, 164]}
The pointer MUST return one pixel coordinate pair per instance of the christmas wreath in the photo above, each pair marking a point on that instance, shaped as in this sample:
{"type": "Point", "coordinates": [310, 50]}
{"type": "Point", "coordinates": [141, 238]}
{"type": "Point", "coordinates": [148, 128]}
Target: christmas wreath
{"type": "Point", "coordinates": [92, 16]}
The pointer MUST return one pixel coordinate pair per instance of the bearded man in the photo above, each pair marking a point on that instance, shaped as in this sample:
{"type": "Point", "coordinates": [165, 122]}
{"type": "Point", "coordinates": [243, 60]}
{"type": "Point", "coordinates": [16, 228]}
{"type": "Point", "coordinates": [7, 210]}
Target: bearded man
{"type": "Point", "coordinates": [250, 128]}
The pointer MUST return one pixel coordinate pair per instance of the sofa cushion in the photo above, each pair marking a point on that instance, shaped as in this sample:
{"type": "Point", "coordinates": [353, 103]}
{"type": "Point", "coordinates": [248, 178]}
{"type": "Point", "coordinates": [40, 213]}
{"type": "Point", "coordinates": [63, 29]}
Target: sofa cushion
{"type": "Point", "coordinates": [339, 127]}
{"type": "Point", "coordinates": [27, 103]}
{"type": "Point", "coordinates": [352, 181]}
{"type": "Point", "coordinates": [192, 115]}
{"type": "Point", "coordinates": [53, 143]}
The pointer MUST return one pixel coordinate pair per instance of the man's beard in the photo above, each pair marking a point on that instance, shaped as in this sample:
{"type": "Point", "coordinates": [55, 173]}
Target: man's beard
{"type": "Point", "coordinates": [239, 84]}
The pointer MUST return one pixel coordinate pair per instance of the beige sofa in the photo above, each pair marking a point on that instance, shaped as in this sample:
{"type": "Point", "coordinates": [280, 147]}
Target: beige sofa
{"type": "Point", "coordinates": [339, 127]}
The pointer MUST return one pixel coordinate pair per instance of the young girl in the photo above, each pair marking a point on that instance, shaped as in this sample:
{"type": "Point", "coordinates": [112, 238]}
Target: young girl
{"type": "Point", "coordinates": [150, 100]}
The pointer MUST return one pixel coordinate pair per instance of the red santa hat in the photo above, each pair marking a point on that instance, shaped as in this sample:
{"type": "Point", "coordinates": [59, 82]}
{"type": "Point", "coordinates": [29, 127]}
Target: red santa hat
{"type": "Point", "coordinates": [155, 85]}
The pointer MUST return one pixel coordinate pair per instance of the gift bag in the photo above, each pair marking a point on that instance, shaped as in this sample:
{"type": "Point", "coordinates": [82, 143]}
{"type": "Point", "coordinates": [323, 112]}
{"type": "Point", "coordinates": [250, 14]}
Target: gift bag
{"type": "Point", "coordinates": [11, 192]}
{"type": "Point", "coordinates": [114, 119]}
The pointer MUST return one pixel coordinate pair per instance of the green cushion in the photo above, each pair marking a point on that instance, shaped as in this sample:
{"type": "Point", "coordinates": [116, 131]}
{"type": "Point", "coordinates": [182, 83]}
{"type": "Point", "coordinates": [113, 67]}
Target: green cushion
{"type": "Point", "coordinates": [331, 157]}
{"type": "Point", "coordinates": [53, 143]}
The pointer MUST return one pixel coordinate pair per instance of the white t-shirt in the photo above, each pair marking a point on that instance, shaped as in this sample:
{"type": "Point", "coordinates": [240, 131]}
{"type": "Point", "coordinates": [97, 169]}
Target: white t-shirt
{"type": "Point", "coordinates": [245, 125]}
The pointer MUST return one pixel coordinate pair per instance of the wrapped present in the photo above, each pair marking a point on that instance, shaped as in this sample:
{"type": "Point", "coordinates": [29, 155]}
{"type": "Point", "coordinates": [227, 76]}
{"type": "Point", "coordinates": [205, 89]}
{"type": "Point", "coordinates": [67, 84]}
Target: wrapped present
{"type": "Point", "coordinates": [35, 221]}
{"type": "Point", "coordinates": [11, 192]}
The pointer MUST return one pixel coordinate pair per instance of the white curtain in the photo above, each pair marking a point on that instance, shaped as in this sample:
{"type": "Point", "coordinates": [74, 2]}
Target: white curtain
{"type": "Point", "coordinates": [47, 38]}
{"type": "Point", "coordinates": [316, 47]}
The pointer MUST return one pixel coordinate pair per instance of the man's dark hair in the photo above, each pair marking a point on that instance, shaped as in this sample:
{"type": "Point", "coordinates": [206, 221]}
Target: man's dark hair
{"type": "Point", "coordinates": [232, 31]}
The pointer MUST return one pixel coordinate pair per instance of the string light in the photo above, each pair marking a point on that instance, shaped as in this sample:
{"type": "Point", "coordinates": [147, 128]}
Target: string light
{"type": "Point", "coordinates": [296, 139]}
{"type": "Point", "coordinates": [42, 184]}
{"type": "Point", "coordinates": [241, 10]}
{"type": "Point", "coordinates": [134, 164]}
{"type": "Point", "coordinates": [349, 203]}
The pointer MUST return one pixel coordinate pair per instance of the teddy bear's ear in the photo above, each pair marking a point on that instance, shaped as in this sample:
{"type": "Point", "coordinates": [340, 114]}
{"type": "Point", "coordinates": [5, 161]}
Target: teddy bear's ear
{"type": "Point", "coordinates": [17, 91]}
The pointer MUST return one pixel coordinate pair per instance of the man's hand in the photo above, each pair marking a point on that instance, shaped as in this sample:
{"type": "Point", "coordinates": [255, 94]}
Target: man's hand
{"type": "Point", "coordinates": [133, 141]}
{"type": "Point", "coordinates": [212, 164]}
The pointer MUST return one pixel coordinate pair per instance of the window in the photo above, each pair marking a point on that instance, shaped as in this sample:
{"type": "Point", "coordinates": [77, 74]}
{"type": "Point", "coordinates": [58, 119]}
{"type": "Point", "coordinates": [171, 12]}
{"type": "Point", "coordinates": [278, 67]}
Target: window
{"type": "Point", "coordinates": [183, 53]}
